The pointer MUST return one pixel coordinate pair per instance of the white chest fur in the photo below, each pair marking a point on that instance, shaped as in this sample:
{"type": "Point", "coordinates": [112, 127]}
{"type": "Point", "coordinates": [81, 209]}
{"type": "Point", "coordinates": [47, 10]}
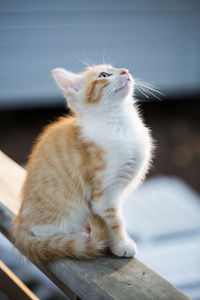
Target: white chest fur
{"type": "Point", "coordinates": [126, 142]}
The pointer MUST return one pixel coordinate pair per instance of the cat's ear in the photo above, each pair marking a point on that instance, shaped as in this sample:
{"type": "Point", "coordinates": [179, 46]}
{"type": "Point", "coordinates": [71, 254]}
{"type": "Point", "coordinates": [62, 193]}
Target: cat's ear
{"type": "Point", "coordinates": [67, 81]}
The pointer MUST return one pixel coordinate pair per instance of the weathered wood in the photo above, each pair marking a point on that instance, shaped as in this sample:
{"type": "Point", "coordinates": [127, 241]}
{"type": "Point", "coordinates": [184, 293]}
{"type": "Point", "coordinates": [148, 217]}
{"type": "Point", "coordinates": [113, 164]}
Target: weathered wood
{"type": "Point", "coordinates": [11, 180]}
{"type": "Point", "coordinates": [105, 278]}
{"type": "Point", "coordinates": [12, 286]}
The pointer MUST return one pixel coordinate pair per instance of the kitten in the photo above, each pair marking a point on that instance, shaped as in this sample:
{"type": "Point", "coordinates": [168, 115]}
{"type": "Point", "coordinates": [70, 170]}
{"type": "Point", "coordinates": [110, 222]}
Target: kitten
{"type": "Point", "coordinates": [81, 168]}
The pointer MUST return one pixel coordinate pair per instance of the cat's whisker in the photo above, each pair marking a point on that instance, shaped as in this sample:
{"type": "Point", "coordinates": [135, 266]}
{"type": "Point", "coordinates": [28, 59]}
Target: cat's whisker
{"type": "Point", "coordinates": [142, 92]}
{"type": "Point", "coordinates": [83, 61]}
{"type": "Point", "coordinates": [104, 56]}
{"type": "Point", "coordinates": [149, 86]}
{"type": "Point", "coordinates": [148, 91]}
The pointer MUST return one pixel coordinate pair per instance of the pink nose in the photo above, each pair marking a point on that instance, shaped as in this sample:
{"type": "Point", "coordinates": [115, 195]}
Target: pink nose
{"type": "Point", "coordinates": [124, 72]}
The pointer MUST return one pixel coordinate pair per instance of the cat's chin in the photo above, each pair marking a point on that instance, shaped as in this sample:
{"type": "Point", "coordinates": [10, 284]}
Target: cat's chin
{"type": "Point", "coordinates": [125, 89]}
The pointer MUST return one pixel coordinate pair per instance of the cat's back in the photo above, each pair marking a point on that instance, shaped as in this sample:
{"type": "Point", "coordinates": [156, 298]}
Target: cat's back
{"type": "Point", "coordinates": [50, 162]}
{"type": "Point", "coordinates": [54, 139]}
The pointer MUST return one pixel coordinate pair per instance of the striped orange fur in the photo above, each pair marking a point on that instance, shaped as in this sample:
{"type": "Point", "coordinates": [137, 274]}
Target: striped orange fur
{"type": "Point", "coordinates": [62, 161]}
{"type": "Point", "coordinates": [95, 89]}
{"type": "Point", "coordinates": [79, 168]}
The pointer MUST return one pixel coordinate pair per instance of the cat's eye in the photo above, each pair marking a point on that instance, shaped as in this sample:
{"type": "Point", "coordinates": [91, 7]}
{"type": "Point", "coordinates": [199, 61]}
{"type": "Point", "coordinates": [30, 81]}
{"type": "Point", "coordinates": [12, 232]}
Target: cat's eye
{"type": "Point", "coordinates": [104, 74]}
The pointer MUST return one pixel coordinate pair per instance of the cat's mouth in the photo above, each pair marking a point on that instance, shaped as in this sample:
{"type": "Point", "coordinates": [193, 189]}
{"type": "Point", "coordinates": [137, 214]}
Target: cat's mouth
{"type": "Point", "coordinates": [127, 82]}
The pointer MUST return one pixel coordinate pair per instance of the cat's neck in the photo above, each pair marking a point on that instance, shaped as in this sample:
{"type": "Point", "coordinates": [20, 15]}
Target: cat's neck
{"type": "Point", "coordinates": [119, 120]}
{"type": "Point", "coordinates": [109, 114]}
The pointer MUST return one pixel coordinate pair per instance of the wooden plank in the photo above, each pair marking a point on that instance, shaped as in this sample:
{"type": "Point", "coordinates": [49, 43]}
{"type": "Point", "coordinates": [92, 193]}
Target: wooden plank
{"type": "Point", "coordinates": [12, 286]}
{"type": "Point", "coordinates": [11, 180]}
{"type": "Point", "coordinates": [6, 217]}
{"type": "Point", "coordinates": [105, 278]}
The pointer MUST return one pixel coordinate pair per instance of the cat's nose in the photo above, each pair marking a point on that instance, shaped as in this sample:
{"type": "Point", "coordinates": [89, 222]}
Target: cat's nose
{"type": "Point", "coordinates": [124, 71]}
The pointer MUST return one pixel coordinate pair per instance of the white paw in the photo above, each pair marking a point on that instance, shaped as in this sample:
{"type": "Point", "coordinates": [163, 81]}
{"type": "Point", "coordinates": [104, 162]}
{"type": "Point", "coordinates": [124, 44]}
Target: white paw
{"type": "Point", "coordinates": [125, 248]}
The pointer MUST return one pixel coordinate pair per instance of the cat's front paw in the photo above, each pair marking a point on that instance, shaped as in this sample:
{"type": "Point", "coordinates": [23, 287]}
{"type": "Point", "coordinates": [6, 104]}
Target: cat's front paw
{"type": "Point", "coordinates": [125, 248]}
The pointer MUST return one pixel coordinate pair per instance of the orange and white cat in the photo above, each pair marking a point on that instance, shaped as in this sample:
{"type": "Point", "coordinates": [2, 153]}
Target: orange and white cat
{"type": "Point", "coordinates": [81, 168]}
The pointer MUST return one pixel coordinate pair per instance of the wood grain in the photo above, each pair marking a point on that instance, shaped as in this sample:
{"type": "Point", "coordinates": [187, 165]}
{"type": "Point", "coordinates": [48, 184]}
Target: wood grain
{"type": "Point", "coordinates": [12, 286]}
{"type": "Point", "coordinates": [105, 278]}
{"type": "Point", "coordinates": [11, 179]}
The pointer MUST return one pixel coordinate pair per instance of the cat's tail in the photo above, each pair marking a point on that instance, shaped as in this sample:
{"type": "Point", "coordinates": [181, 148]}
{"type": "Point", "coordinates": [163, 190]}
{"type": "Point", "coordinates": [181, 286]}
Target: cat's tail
{"type": "Point", "coordinates": [81, 246]}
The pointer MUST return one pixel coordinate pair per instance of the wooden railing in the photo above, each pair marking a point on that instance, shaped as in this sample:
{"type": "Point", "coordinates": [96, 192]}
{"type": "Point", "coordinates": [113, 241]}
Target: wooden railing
{"type": "Point", "coordinates": [106, 278]}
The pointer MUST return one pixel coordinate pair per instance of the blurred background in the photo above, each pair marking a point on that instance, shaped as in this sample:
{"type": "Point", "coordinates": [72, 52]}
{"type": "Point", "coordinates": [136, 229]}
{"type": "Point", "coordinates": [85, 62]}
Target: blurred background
{"type": "Point", "coordinates": [159, 42]}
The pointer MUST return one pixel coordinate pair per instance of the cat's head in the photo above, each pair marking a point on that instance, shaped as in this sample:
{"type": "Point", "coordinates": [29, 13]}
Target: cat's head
{"type": "Point", "coordinates": [99, 87]}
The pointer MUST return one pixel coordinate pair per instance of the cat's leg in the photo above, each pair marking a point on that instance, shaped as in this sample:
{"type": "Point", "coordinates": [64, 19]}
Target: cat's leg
{"type": "Point", "coordinates": [120, 243]}
{"type": "Point", "coordinates": [44, 230]}
{"type": "Point", "coordinates": [75, 221]}
{"type": "Point", "coordinates": [109, 208]}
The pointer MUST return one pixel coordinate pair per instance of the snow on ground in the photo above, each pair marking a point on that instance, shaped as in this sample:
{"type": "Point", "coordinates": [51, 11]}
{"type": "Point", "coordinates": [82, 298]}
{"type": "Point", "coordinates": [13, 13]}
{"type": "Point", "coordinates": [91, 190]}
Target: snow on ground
{"type": "Point", "coordinates": [163, 215]}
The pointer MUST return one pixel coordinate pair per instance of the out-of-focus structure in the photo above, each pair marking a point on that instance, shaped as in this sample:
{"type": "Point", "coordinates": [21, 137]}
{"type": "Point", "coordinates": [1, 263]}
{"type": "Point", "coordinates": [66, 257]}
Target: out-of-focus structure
{"type": "Point", "coordinates": [157, 40]}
